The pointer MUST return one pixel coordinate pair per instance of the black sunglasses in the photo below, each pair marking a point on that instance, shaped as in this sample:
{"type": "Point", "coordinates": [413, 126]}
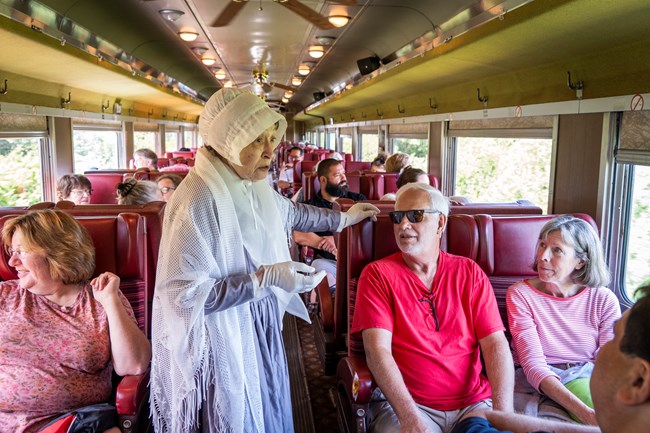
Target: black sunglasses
{"type": "Point", "coordinates": [414, 216]}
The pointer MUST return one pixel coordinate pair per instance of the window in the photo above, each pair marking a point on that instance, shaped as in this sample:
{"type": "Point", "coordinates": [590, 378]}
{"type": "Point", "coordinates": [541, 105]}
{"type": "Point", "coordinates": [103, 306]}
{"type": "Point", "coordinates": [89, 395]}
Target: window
{"type": "Point", "coordinates": [346, 144]}
{"type": "Point", "coordinates": [188, 138]}
{"type": "Point", "coordinates": [636, 263]}
{"type": "Point", "coordinates": [416, 148]}
{"type": "Point", "coordinates": [171, 141]}
{"type": "Point", "coordinates": [369, 146]}
{"type": "Point", "coordinates": [144, 140]}
{"type": "Point", "coordinates": [95, 149]}
{"type": "Point", "coordinates": [321, 140]}
{"type": "Point", "coordinates": [331, 140]}
{"type": "Point", "coordinates": [21, 178]}
{"type": "Point", "coordinates": [489, 169]}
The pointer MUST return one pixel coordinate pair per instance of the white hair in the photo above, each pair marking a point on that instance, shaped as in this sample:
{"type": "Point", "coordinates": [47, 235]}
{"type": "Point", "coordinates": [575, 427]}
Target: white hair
{"type": "Point", "coordinates": [437, 201]}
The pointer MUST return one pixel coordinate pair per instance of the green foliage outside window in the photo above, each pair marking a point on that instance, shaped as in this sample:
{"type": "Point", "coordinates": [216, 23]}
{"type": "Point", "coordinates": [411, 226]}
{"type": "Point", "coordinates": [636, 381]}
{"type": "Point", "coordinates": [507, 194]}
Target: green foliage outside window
{"type": "Point", "coordinates": [503, 169]}
{"type": "Point", "coordinates": [369, 146]}
{"type": "Point", "coordinates": [20, 177]}
{"type": "Point", "coordinates": [95, 150]}
{"type": "Point", "coordinates": [637, 264]}
{"type": "Point", "coordinates": [416, 148]}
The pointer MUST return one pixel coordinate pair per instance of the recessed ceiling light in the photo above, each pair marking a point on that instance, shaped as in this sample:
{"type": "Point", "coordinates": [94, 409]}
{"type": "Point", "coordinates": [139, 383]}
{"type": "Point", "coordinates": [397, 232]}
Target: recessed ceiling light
{"type": "Point", "coordinates": [296, 81]}
{"type": "Point", "coordinates": [285, 100]}
{"type": "Point", "coordinates": [338, 20]}
{"type": "Point", "coordinates": [171, 14]}
{"type": "Point", "coordinates": [208, 61]}
{"type": "Point", "coordinates": [304, 69]}
{"type": "Point", "coordinates": [316, 51]}
{"type": "Point", "coordinates": [188, 36]}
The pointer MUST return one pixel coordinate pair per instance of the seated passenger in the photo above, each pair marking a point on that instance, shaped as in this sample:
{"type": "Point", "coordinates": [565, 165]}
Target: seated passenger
{"type": "Point", "coordinates": [285, 178]}
{"type": "Point", "coordinates": [167, 183]}
{"type": "Point", "coordinates": [378, 165]}
{"type": "Point", "coordinates": [145, 158]}
{"type": "Point", "coordinates": [333, 185]}
{"type": "Point", "coordinates": [396, 162]}
{"type": "Point", "coordinates": [408, 175]}
{"type": "Point", "coordinates": [560, 320]}
{"type": "Point", "coordinates": [335, 155]}
{"type": "Point", "coordinates": [426, 317]}
{"type": "Point", "coordinates": [75, 188]}
{"type": "Point", "coordinates": [61, 336]}
{"type": "Point", "coordinates": [133, 191]}
{"type": "Point", "coordinates": [620, 385]}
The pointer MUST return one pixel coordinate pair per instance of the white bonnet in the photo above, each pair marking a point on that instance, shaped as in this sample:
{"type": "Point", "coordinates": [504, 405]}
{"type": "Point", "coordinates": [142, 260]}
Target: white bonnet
{"type": "Point", "coordinates": [232, 119]}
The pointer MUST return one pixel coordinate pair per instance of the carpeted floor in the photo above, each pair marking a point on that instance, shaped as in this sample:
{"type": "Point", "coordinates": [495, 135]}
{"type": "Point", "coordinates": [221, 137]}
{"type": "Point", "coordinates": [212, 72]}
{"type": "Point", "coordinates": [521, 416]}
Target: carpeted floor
{"type": "Point", "coordinates": [318, 384]}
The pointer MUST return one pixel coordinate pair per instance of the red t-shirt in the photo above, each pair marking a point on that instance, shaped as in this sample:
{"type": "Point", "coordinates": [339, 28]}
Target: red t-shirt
{"type": "Point", "coordinates": [441, 369]}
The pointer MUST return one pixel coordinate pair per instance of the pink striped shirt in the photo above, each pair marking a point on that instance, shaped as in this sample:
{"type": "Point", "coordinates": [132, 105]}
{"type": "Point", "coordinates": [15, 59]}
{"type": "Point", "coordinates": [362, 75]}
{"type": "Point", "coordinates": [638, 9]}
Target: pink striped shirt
{"type": "Point", "coordinates": [550, 330]}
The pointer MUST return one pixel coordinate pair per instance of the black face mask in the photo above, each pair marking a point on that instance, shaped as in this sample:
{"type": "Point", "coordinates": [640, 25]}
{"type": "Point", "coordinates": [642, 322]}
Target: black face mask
{"type": "Point", "coordinates": [337, 190]}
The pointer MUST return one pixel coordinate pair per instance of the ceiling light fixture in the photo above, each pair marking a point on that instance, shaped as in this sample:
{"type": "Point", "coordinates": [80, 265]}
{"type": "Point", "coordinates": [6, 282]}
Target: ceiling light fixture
{"type": "Point", "coordinates": [171, 14]}
{"type": "Point", "coordinates": [227, 84]}
{"type": "Point", "coordinates": [288, 94]}
{"type": "Point", "coordinates": [208, 61]}
{"type": "Point", "coordinates": [199, 51]}
{"type": "Point", "coordinates": [296, 81]}
{"type": "Point", "coordinates": [285, 100]}
{"type": "Point", "coordinates": [325, 40]}
{"type": "Point", "coordinates": [220, 74]}
{"type": "Point", "coordinates": [316, 51]}
{"type": "Point", "coordinates": [304, 69]}
{"type": "Point", "coordinates": [338, 20]}
{"type": "Point", "coordinates": [188, 36]}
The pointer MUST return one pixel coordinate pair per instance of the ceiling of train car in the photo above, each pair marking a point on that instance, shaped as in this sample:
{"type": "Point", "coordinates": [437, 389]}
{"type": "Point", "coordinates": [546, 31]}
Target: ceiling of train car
{"type": "Point", "coordinates": [412, 37]}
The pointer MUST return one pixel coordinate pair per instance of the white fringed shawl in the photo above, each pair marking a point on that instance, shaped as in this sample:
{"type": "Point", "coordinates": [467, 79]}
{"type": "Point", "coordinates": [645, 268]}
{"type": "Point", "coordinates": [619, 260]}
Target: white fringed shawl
{"type": "Point", "coordinates": [208, 236]}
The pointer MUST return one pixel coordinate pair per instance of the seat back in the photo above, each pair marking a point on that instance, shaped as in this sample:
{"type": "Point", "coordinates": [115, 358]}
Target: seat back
{"type": "Point", "coordinates": [182, 154]}
{"type": "Point", "coordinates": [507, 245]}
{"type": "Point", "coordinates": [353, 166]}
{"type": "Point", "coordinates": [120, 247]}
{"type": "Point", "coordinates": [354, 181]}
{"type": "Point", "coordinates": [104, 185]}
{"type": "Point", "coordinates": [19, 210]}
{"type": "Point", "coordinates": [152, 214]}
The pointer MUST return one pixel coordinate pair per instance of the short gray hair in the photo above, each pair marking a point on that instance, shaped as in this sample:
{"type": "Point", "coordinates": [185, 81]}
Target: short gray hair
{"type": "Point", "coordinates": [437, 201]}
{"type": "Point", "coordinates": [133, 191]}
{"type": "Point", "coordinates": [585, 241]}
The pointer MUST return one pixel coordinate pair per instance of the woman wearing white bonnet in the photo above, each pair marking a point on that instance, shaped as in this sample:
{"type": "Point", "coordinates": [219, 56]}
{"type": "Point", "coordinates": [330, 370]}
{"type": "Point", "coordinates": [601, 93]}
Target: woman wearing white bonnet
{"type": "Point", "coordinates": [225, 279]}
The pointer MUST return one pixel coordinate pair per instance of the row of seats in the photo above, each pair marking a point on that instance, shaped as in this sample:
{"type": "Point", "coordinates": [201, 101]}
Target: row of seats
{"type": "Point", "coordinates": [470, 233]}
{"type": "Point", "coordinates": [372, 185]}
{"type": "Point", "coordinates": [123, 251]}
{"type": "Point", "coordinates": [502, 245]}
{"type": "Point", "coordinates": [104, 182]}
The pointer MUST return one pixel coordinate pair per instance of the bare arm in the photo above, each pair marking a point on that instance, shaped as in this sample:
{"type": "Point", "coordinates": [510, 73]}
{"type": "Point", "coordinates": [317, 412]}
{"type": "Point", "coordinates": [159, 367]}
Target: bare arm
{"type": "Point", "coordinates": [325, 243]}
{"type": "Point", "coordinates": [130, 348]}
{"type": "Point", "coordinates": [554, 389]}
{"type": "Point", "coordinates": [517, 423]}
{"type": "Point", "coordinates": [500, 370]}
{"type": "Point", "coordinates": [377, 343]}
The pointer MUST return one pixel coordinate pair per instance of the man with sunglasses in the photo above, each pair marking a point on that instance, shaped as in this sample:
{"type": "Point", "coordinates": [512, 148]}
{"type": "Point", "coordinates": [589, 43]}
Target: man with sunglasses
{"type": "Point", "coordinates": [426, 317]}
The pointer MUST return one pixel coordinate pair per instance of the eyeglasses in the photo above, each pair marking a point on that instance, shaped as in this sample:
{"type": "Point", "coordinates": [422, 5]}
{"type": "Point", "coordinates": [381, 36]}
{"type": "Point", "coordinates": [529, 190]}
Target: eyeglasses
{"type": "Point", "coordinates": [80, 192]}
{"type": "Point", "coordinates": [20, 253]}
{"type": "Point", "coordinates": [434, 313]}
{"type": "Point", "coordinates": [295, 158]}
{"type": "Point", "coordinates": [414, 216]}
{"type": "Point", "coordinates": [166, 189]}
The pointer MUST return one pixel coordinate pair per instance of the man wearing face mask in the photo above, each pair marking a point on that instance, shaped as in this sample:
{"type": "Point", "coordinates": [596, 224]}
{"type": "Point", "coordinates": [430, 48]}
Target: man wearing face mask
{"type": "Point", "coordinates": [333, 186]}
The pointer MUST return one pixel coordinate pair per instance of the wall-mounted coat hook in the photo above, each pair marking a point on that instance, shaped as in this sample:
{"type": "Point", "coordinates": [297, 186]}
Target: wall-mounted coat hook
{"type": "Point", "coordinates": [3, 91]}
{"type": "Point", "coordinates": [351, 117]}
{"type": "Point", "coordinates": [574, 86]}
{"type": "Point", "coordinates": [342, 119]}
{"type": "Point", "coordinates": [65, 102]}
{"type": "Point", "coordinates": [175, 117]}
{"type": "Point", "coordinates": [130, 111]}
{"type": "Point", "coordinates": [164, 114]}
{"type": "Point", "coordinates": [400, 109]}
{"type": "Point", "coordinates": [480, 98]}
{"type": "Point", "coordinates": [149, 114]}
{"type": "Point", "coordinates": [433, 105]}
{"type": "Point", "coordinates": [105, 106]}
{"type": "Point", "coordinates": [380, 113]}
{"type": "Point", "coordinates": [363, 115]}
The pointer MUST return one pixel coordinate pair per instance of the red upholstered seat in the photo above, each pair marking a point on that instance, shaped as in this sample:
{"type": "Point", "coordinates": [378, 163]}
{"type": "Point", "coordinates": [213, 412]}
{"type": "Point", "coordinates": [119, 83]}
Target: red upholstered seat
{"type": "Point", "coordinates": [353, 166]}
{"type": "Point", "coordinates": [104, 186]}
{"type": "Point", "coordinates": [182, 154]}
{"type": "Point", "coordinates": [153, 218]}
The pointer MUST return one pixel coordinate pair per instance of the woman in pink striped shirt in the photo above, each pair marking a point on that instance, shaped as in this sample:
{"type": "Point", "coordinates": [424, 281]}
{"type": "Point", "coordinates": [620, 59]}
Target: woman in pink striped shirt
{"type": "Point", "coordinates": [560, 320]}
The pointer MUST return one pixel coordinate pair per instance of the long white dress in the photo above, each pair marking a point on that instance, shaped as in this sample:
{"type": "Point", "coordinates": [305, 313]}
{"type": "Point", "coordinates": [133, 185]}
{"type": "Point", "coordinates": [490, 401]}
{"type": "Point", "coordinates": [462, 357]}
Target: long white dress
{"type": "Point", "coordinates": [218, 354]}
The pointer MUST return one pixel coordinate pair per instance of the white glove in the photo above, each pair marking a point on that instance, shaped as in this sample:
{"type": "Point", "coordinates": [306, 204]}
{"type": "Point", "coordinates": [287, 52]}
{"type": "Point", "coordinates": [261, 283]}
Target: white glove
{"type": "Point", "coordinates": [357, 213]}
{"type": "Point", "coordinates": [294, 277]}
